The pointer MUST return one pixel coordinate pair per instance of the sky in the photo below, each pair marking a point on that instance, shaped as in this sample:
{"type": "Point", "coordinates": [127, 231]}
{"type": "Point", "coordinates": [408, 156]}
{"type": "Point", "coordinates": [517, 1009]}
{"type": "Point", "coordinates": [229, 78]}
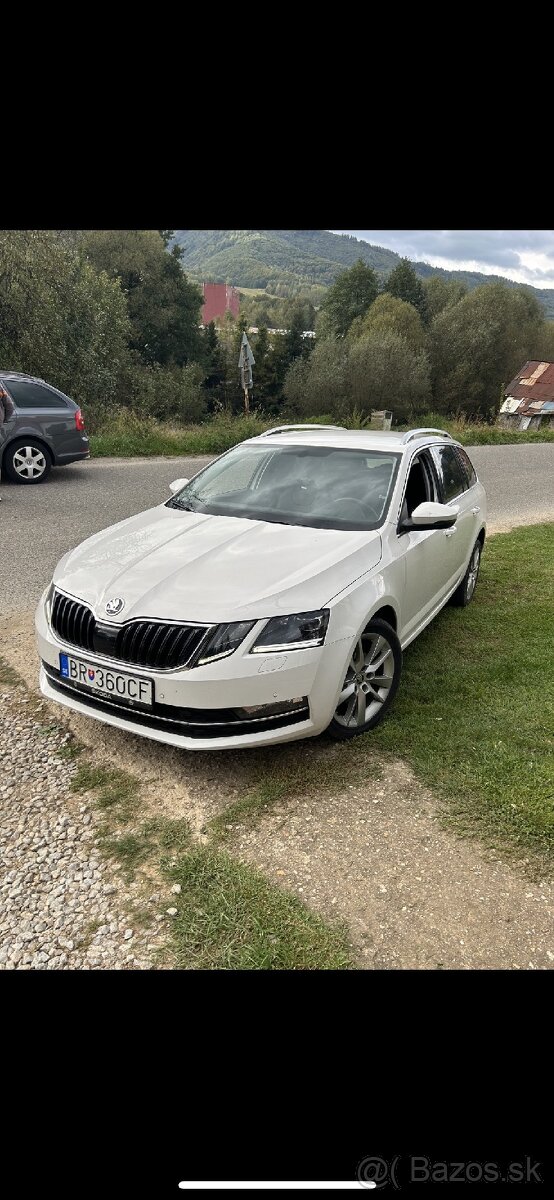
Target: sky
{"type": "Point", "coordinates": [526, 255]}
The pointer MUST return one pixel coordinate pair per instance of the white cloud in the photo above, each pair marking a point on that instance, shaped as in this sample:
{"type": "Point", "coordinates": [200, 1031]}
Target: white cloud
{"type": "Point", "coordinates": [524, 255]}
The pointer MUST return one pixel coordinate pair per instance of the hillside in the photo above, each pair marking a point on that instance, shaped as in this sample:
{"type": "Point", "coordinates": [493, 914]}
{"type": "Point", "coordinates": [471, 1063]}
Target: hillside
{"type": "Point", "coordinates": [294, 260]}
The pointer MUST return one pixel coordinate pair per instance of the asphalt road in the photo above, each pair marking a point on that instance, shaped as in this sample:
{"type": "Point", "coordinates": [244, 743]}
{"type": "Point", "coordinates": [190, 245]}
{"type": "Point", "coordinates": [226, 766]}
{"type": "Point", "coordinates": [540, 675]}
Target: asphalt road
{"type": "Point", "coordinates": [38, 524]}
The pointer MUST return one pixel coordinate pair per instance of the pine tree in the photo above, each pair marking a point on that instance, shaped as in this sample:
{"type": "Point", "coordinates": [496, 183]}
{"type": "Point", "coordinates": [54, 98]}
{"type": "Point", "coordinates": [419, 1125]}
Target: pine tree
{"type": "Point", "coordinates": [405, 285]}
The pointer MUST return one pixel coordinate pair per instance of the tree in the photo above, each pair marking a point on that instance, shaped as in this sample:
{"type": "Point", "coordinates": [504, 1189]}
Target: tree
{"type": "Point", "coordinates": [213, 358]}
{"type": "Point", "coordinates": [380, 370]}
{"type": "Point", "coordinates": [317, 385]}
{"type": "Point", "coordinates": [164, 307]}
{"type": "Point", "coordinates": [388, 314]}
{"type": "Point", "coordinates": [59, 318]}
{"type": "Point", "coordinates": [442, 293]}
{"type": "Point", "coordinates": [385, 371]}
{"type": "Point", "coordinates": [265, 379]}
{"type": "Point", "coordinates": [352, 293]}
{"type": "Point", "coordinates": [478, 344]}
{"type": "Point", "coordinates": [294, 342]}
{"type": "Point", "coordinates": [405, 285]}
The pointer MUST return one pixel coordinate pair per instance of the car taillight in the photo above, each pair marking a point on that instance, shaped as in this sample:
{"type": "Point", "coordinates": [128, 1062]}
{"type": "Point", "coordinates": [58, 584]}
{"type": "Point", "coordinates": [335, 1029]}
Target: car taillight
{"type": "Point", "coordinates": [79, 420]}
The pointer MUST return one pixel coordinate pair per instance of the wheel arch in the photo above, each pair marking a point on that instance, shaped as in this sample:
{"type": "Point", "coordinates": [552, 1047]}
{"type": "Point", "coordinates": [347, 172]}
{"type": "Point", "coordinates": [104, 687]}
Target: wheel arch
{"type": "Point", "coordinates": [385, 612]}
{"type": "Point", "coordinates": [28, 433]}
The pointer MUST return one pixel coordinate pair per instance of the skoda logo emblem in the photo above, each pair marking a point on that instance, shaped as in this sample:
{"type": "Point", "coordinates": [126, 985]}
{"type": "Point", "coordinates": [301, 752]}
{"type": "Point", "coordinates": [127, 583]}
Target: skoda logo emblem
{"type": "Point", "coordinates": [115, 605]}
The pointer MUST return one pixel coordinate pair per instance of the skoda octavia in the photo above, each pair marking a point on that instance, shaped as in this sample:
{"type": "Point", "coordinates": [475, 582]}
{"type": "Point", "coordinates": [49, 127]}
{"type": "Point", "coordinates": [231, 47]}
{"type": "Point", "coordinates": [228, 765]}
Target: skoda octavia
{"type": "Point", "coordinates": [271, 596]}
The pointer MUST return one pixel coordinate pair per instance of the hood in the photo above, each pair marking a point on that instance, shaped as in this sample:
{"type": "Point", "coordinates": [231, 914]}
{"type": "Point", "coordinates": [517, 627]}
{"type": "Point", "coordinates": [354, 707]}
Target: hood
{"type": "Point", "coordinates": [193, 567]}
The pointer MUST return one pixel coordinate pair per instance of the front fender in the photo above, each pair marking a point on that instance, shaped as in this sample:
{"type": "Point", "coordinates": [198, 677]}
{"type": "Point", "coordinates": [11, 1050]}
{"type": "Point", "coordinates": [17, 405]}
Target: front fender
{"type": "Point", "coordinates": [350, 612]}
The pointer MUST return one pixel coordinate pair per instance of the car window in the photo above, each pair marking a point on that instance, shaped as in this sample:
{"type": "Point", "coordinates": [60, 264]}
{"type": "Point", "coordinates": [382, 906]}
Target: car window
{"type": "Point", "coordinates": [323, 487]}
{"type": "Point", "coordinates": [450, 470]}
{"type": "Point", "coordinates": [420, 486]}
{"type": "Point", "coordinates": [467, 465]}
{"type": "Point", "coordinates": [26, 394]}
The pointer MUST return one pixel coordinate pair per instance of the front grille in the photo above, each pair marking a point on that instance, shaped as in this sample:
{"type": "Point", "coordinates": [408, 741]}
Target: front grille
{"type": "Point", "coordinates": [73, 622]}
{"type": "Point", "coordinates": [156, 644]}
{"type": "Point", "coordinates": [190, 722]}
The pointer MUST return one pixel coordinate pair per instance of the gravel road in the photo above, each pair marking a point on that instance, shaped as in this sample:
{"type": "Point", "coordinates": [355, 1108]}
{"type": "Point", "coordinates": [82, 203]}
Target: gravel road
{"type": "Point", "coordinates": [62, 906]}
{"type": "Point", "coordinates": [38, 524]}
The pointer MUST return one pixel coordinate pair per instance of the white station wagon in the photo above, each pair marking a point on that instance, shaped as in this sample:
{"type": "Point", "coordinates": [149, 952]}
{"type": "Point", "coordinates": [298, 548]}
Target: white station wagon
{"type": "Point", "coordinates": [271, 596]}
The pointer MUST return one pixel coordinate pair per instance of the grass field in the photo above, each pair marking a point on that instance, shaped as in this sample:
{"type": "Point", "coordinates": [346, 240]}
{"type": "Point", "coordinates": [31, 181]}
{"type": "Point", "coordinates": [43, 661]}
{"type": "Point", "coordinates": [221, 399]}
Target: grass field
{"type": "Point", "coordinates": [127, 436]}
{"type": "Point", "coordinates": [474, 715]}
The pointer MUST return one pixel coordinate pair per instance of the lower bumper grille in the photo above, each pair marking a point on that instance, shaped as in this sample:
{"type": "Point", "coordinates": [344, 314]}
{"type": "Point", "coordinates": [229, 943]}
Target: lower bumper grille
{"type": "Point", "coordinates": [189, 722]}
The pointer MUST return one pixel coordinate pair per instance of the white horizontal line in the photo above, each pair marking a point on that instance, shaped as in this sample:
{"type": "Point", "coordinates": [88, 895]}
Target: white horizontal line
{"type": "Point", "coordinates": [273, 1185]}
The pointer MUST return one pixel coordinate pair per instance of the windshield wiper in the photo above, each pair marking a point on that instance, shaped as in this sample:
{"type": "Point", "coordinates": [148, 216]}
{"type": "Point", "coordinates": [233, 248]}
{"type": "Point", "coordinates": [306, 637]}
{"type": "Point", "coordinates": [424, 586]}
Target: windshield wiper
{"type": "Point", "coordinates": [176, 503]}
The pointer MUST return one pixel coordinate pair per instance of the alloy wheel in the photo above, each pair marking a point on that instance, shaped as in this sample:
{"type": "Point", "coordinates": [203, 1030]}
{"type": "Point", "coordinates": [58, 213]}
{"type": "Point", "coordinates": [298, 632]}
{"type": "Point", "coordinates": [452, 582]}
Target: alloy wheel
{"type": "Point", "coordinates": [473, 571]}
{"type": "Point", "coordinates": [368, 680]}
{"type": "Point", "coordinates": [29, 462]}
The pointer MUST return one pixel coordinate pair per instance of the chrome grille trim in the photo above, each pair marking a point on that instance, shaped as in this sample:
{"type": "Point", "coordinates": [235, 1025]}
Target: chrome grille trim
{"type": "Point", "coordinates": [159, 645]}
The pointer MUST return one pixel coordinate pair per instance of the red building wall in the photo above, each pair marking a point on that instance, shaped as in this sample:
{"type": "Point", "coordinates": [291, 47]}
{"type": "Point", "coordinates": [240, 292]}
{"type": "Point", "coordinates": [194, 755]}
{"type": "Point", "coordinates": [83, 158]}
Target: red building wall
{"type": "Point", "coordinates": [219, 298]}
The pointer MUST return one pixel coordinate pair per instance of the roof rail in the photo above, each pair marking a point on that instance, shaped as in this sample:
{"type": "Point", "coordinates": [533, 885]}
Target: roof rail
{"type": "Point", "coordinates": [294, 428]}
{"type": "Point", "coordinates": [413, 433]}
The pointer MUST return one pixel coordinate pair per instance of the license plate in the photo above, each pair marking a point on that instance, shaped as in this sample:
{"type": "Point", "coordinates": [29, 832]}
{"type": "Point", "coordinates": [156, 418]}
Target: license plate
{"type": "Point", "coordinates": [107, 683]}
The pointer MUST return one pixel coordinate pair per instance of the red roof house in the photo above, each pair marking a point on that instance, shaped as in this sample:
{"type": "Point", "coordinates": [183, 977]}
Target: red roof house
{"type": "Point", "coordinates": [219, 298]}
{"type": "Point", "coordinates": [530, 397]}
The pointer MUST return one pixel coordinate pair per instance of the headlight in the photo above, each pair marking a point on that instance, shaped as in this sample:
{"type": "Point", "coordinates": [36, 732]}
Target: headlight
{"type": "Point", "coordinates": [49, 596]}
{"type": "Point", "coordinates": [293, 633]}
{"type": "Point", "coordinates": [223, 641]}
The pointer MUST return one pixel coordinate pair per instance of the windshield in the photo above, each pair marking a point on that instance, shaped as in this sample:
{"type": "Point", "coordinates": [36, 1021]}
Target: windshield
{"type": "Point", "coordinates": [323, 487]}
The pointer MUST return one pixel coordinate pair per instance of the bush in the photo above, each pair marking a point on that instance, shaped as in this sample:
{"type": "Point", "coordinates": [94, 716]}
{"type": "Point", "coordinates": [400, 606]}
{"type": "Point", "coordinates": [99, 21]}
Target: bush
{"type": "Point", "coordinates": [165, 393]}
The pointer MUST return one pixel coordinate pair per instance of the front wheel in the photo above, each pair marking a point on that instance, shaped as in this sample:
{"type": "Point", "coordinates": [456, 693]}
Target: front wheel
{"type": "Point", "coordinates": [371, 681]}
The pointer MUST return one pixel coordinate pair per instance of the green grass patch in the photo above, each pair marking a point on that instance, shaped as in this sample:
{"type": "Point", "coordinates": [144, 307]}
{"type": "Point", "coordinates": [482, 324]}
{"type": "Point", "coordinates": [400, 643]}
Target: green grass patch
{"type": "Point", "coordinates": [228, 915]}
{"type": "Point", "coordinates": [231, 918]}
{"type": "Point", "coordinates": [70, 750]}
{"type": "Point", "coordinates": [290, 772]}
{"type": "Point", "coordinates": [128, 435]}
{"type": "Point", "coordinates": [478, 433]}
{"type": "Point", "coordinates": [8, 677]}
{"type": "Point", "coordinates": [116, 791]}
{"type": "Point", "coordinates": [475, 711]}
{"type": "Point", "coordinates": [163, 837]}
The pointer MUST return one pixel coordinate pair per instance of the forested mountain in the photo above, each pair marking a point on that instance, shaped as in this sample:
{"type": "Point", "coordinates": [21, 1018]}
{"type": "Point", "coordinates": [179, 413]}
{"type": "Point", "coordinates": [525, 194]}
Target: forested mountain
{"type": "Point", "coordinates": [289, 261]}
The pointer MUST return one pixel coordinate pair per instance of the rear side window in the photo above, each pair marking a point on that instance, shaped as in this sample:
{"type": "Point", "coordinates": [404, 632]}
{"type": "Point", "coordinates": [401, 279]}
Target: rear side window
{"type": "Point", "coordinates": [451, 471]}
{"type": "Point", "coordinates": [467, 465]}
{"type": "Point", "coordinates": [34, 395]}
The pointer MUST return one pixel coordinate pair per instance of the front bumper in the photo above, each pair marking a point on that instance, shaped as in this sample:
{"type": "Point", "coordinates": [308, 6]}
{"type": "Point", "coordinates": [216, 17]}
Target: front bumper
{"type": "Point", "coordinates": [197, 709]}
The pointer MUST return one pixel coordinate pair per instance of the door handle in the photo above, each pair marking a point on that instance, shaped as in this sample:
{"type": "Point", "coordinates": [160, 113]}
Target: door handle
{"type": "Point", "coordinates": [449, 532]}
{"type": "Point", "coordinates": [476, 510]}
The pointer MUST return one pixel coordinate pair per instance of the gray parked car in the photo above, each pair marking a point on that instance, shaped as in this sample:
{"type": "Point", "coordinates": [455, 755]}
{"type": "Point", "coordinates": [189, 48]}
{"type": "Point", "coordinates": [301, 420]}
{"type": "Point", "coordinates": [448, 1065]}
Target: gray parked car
{"type": "Point", "coordinates": [45, 430]}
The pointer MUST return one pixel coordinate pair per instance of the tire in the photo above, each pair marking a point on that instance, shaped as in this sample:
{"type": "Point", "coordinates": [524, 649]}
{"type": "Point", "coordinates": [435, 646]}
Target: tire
{"type": "Point", "coordinates": [466, 589]}
{"type": "Point", "coordinates": [27, 460]}
{"type": "Point", "coordinates": [379, 642]}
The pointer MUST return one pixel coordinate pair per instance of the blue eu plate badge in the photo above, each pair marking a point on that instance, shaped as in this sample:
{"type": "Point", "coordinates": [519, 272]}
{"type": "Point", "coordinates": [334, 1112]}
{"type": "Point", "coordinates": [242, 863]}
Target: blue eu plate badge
{"type": "Point", "coordinates": [64, 666]}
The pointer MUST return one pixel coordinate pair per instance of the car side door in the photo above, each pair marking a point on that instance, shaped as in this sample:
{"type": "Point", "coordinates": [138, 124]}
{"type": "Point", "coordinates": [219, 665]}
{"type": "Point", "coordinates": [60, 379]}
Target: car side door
{"type": "Point", "coordinates": [44, 412]}
{"type": "Point", "coordinates": [456, 488]}
{"type": "Point", "coordinates": [422, 551]}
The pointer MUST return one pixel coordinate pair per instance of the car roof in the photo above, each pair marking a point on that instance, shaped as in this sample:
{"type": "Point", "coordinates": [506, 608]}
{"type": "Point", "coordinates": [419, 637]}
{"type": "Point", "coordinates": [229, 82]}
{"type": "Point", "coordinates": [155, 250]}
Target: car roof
{"type": "Point", "coordinates": [21, 375]}
{"type": "Point", "coordinates": [360, 439]}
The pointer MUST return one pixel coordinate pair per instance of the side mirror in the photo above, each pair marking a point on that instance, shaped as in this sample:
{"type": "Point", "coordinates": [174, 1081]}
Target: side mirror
{"type": "Point", "coordinates": [177, 485]}
{"type": "Point", "coordinates": [430, 516]}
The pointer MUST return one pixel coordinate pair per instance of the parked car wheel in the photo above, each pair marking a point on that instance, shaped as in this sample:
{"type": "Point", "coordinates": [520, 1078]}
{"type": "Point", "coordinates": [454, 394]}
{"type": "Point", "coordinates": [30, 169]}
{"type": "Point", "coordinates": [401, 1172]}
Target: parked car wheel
{"type": "Point", "coordinates": [370, 683]}
{"type": "Point", "coordinates": [466, 589]}
{"type": "Point", "coordinates": [27, 461]}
